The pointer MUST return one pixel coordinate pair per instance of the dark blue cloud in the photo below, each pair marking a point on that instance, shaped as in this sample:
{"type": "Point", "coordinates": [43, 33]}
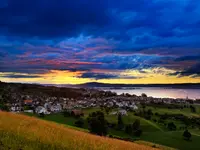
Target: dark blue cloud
{"type": "Point", "coordinates": [191, 71]}
{"type": "Point", "coordinates": [19, 76]}
{"type": "Point", "coordinates": [41, 35]}
{"type": "Point", "coordinates": [186, 58]}
{"type": "Point", "coordinates": [50, 18]}
{"type": "Point", "coordinates": [98, 75]}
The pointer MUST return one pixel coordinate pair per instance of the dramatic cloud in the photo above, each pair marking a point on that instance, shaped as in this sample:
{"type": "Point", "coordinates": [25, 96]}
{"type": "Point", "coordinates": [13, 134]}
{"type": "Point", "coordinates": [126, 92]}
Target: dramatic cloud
{"type": "Point", "coordinates": [19, 76]}
{"type": "Point", "coordinates": [192, 71]}
{"type": "Point", "coordinates": [99, 40]}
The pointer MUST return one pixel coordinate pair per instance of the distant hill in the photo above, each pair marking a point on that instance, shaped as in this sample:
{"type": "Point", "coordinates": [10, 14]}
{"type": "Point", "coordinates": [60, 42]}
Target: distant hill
{"type": "Point", "coordinates": [97, 84]}
{"type": "Point", "coordinates": [19, 132]}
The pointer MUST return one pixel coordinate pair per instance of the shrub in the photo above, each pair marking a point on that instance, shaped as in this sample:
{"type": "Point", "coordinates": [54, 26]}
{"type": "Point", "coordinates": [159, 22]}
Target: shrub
{"type": "Point", "coordinates": [136, 125]}
{"type": "Point", "coordinates": [129, 129]}
{"type": "Point", "coordinates": [138, 132]}
{"type": "Point", "coordinates": [41, 115]}
{"type": "Point", "coordinates": [120, 123]}
{"type": "Point", "coordinates": [66, 113]}
{"type": "Point", "coordinates": [79, 123]}
{"type": "Point", "coordinates": [171, 126]}
{"type": "Point", "coordinates": [187, 135]}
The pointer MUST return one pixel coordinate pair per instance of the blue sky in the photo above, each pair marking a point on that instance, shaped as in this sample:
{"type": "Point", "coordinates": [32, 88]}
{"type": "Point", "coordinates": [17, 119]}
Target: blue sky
{"type": "Point", "coordinates": [50, 41]}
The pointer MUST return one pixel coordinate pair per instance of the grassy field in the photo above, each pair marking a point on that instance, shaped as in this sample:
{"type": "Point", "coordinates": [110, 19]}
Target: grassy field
{"type": "Point", "coordinates": [173, 139]}
{"type": "Point", "coordinates": [152, 132]}
{"type": "Point", "coordinates": [155, 133]}
{"type": "Point", "coordinates": [20, 132]}
{"type": "Point", "coordinates": [184, 111]}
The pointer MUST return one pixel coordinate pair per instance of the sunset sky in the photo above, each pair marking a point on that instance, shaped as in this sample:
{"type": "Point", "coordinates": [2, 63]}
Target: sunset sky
{"type": "Point", "coordinates": [109, 41]}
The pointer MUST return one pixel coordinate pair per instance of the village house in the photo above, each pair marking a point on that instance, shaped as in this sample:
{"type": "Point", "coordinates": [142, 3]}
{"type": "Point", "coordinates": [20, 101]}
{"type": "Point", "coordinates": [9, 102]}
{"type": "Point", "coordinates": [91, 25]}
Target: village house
{"type": "Point", "coordinates": [28, 111]}
{"type": "Point", "coordinates": [77, 112]}
{"type": "Point", "coordinates": [15, 108]}
{"type": "Point", "coordinates": [28, 102]}
{"type": "Point", "coordinates": [41, 109]}
{"type": "Point", "coordinates": [56, 108]}
{"type": "Point", "coordinates": [122, 112]}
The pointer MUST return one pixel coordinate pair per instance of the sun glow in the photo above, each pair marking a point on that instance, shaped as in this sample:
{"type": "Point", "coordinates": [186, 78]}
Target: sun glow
{"type": "Point", "coordinates": [144, 76]}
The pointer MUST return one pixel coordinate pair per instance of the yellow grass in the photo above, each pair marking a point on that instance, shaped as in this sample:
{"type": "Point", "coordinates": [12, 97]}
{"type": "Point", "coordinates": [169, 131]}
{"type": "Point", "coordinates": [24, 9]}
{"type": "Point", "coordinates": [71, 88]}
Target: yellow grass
{"type": "Point", "coordinates": [23, 132]}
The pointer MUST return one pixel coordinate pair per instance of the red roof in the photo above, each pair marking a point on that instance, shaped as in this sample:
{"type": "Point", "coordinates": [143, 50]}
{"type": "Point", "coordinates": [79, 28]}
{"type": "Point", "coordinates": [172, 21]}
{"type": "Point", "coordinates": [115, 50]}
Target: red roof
{"type": "Point", "coordinates": [28, 101]}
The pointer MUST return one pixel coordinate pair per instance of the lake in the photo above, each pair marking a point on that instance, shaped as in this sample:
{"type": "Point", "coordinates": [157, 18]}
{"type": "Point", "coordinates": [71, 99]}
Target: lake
{"type": "Point", "coordinates": [161, 92]}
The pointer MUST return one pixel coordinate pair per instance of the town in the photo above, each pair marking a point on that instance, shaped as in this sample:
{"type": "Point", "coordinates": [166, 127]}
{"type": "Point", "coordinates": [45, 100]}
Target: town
{"type": "Point", "coordinates": [33, 102]}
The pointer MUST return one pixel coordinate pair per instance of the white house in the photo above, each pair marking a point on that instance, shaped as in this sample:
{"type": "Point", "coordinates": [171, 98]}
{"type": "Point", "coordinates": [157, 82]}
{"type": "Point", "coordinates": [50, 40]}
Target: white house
{"type": "Point", "coordinates": [56, 108]}
{"type": "Point", "coordinates": [15, 108]}
{"type": "Point", "coordinates": [133, 107]}
{"type": "Point", "coordinates": [40, 110]}
{"type": "Point", "coordinates": [113, 113]}
{"type": "Point", "coordinates": [122, 112]}
{"type": "Point", "coordinates": [28, 111]}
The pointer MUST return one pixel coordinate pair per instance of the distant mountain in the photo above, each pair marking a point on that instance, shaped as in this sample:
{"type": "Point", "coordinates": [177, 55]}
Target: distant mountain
{"type": "Point", "coordinates": [97, 84]}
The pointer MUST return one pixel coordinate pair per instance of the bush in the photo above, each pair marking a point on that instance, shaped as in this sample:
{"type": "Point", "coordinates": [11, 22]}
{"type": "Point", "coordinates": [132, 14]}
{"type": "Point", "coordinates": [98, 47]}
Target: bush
{"type": "Point", "coordinates": [129, 129]}
{"type": "Point", "coordinates": [144, 95]}
{"type": "Point", "coordinates": [111, 136]}
{"type": "Point", "coordinates": [4, 107]}
{"type": "Point", "coordinates": [148, 117]}
{"type": "Point", "coordinates": [79, 123]}
{"type": "Point", "coordinates": [136, 125]}
{"type": "Point", "coordinates": [120, 123]}
{"type": "Point", "coordinates": [41, 115]}
{"type": "Point", "coordinates": [149, 112]}
{"type": "Point", "coordinates": [171, 126]}
{"type": "Point", "coordinates": [187, 135]}
{"type": "Point", "coordinates": [193, 109]}
{"type": "Point", "coordinates": [66, 113]}
{"type": "Point", "coordinates": [154, 120]}
{"type": "Point", "coordinates": [138, 132]}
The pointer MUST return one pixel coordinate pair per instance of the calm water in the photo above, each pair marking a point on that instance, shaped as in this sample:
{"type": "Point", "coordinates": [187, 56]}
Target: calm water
{"type": "Point", "coordinates": [162, 92]}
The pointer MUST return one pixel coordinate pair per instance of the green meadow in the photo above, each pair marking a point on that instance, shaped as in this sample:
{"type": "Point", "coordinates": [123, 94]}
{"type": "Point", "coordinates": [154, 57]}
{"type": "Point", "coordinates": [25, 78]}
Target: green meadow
{"type": "Point", "coordinates": [153, 132]}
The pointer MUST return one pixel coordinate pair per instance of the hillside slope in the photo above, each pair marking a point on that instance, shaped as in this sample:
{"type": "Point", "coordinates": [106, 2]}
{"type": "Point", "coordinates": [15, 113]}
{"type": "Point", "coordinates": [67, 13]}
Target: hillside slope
{"type": "Point", "coordinates": [24, 133]}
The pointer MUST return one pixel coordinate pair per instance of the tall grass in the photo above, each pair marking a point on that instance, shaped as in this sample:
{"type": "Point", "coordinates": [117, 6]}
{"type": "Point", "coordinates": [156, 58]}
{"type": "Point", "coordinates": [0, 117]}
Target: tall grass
{"type": "Point", "coordinates": [22, 132]}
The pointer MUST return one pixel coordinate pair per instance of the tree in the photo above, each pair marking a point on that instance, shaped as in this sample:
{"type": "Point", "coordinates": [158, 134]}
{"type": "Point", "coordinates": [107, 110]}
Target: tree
{"type": "Point", "coordinates": [143, 107]}
{"type": "Point", "coordinates": [97, 123]}
{"type": "Point", "coordinates": [129, 129]}
{"type": "Point", "coordinates": [144, 95]}
{"type": "Point", "coordinates": [193, 109]}
{"type": "Point", "coordinates": [41, 115]}
{"type": "Point", "coordinates": [136, 128]}
{"type": "Point", "coordinates": [4, 107]}
{"type": "Point", "coordinates": [120, 122]}
{"type": "Point", "coordinates": [66, 113]}
{"type": "Point", "coordinates": [79, 122]}
{"type": "Point", "coordinates": [149, 112]}
{"type": "Point", "coordinates": [138, 132]}
{"type": "Point", "coordinates": [187, 135]}
{"type": "Point", "coordinates": [107, 109]}
{"type": "Point", "coordinates": [101, 107]}
{"type": "Point", "coordinates": [171, 126]}
{"type": "Point", "coordinates": [136, 125]}
{"type": "Point", "coordinates": [148, 117]}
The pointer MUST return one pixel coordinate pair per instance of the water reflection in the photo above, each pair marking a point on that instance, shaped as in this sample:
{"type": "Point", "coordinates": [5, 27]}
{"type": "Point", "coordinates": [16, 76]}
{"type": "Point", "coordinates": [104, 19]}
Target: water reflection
{"type": "Point", "coordinates": [162, 92]}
